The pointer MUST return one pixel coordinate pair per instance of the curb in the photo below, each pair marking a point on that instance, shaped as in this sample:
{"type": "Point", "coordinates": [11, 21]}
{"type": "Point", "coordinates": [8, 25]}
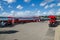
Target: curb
{"type": "Point", "coordinates": [57, 33]}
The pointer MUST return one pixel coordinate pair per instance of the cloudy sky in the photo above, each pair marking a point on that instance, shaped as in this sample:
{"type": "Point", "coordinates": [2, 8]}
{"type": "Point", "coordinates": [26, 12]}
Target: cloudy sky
{"type": "Point", "coordinates": [23, 8]}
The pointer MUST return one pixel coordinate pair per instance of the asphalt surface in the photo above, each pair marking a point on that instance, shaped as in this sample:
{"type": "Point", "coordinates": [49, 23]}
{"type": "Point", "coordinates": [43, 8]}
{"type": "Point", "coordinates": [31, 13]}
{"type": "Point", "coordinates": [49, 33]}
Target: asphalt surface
{"type": "Point", "coordinates": [28, 31]}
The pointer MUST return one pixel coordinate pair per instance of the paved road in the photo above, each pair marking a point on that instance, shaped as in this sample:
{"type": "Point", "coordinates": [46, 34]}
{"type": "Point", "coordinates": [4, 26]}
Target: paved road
{"type": "Point", "coordinates": [28, 31]}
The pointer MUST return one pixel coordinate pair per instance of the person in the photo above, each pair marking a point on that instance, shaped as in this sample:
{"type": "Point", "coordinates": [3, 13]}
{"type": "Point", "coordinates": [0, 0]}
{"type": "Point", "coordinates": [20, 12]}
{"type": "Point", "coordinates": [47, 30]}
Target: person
{"type": "Point", "coordinates": [3, 23]}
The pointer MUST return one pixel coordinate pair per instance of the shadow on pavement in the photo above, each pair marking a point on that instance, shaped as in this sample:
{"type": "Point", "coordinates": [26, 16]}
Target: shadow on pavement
{"type": "Point", "coordinates": [12, 25]}
{"type": "Point", "coordinates": [7, 26]}
{"type": "Point", "coordinates": [8, 32]}
{"type": "Point", "coordinates": [50, 34]}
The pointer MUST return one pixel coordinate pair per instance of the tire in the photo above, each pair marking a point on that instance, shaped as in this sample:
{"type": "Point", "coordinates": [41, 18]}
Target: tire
{"type": "Point", "coordinates": [53, 25]}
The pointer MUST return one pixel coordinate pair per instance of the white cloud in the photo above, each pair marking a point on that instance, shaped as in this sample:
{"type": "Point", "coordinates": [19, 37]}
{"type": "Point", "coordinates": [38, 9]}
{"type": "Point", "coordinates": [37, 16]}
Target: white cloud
{"type": "Point", "coordinates": [9, 1]}
{"type": "Point", "coordinates": [17, 14]}
{"type": "Point", "coordinates": [9, 6]}
{"type": "Point", "coordinates": [51, 12]}
{"type": "Point", "coordinates": [58, 9]}
{"type": "Point", "coordinates": [23, 13]}
{"type": "Point", "coordinates": [33, 5]}
{"type": "Point", "coordinates": [58, 12]}
{"type": "Point", "coordinates": [52, 5]}
{"type": "Point", "coordinates": [28, 13]}
{"type": "Point", "coordinates": [19, 7]}
{"type": "Point", "coordinates": [12, 11]}
{"type": "Point", "coordinates": [43, 3]}
{"type": "Point", "coordinates": [37, 13]}
{"type": "Point", "coordinates": [27, 0]}
{"type": "Point", "coordinates": [1, 8]}
{"type": "Point", "coordinates": [46, 6]}
{"type": "Point", "coordinates": [58, 4]}
{"type": "Point", "coordinates": [44, 13]}
{"type": "Point", "coordinates": [4, 14]}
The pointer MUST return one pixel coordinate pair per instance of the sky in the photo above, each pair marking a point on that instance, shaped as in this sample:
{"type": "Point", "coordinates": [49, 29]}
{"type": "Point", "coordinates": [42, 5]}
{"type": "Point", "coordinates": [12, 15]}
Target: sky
{"type": "Point", "coordinates": [28, 8]}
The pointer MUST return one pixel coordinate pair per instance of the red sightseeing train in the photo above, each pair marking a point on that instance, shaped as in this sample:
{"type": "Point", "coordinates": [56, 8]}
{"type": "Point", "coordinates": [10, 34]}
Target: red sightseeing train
{"type": "Point", "coordinates": [12, 20]}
